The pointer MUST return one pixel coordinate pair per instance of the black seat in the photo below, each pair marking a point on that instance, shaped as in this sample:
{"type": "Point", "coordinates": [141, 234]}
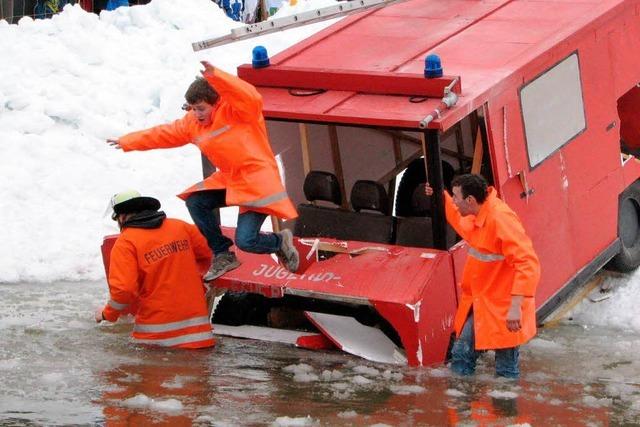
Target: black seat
{"type": "Point", "coordinates": [338, 223]}
{"type": "Point", "coordinates": [417, 232]}
{"type": "Point", "coordinates": [321, 221]}
{"type": "Point", "coordinates": [322, 186]}
{"type": "Point", "coordinates": [370, 201]}
{"type": "Point", "coordinates": [369, 196]}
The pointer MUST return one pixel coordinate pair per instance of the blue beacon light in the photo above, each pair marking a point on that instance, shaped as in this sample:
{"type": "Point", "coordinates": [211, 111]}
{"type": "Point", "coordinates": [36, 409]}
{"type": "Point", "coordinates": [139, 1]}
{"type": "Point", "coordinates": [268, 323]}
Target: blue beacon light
{"type": "Point", "coordinates": [260, 57]}
{"type": "Point", "coordinates": [432, 66]}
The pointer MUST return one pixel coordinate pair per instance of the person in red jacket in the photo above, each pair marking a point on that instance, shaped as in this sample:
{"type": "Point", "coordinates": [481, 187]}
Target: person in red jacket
{"type": "Point", "coordinates": [224, 119]}
{"type": "Point", "coordinates": [155, 274]}
{"type": "Point", "coordinates": [496, 310]}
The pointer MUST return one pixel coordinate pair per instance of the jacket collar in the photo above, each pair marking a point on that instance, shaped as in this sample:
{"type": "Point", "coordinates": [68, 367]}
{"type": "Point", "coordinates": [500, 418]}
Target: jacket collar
{"type": "Point", "coordinates": [481, 217]}
{"type": "Point", "coordinates": [145, 219]}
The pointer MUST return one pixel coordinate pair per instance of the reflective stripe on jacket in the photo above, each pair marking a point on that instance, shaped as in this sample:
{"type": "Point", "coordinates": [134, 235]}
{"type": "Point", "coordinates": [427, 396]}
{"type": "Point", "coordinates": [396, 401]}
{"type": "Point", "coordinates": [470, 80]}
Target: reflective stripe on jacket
{"type": "Point", "coordinates": [501, 262]}
{"type": "Point", "coordinates": [236, 143]}
{"type": "Point", "coordinates": [158, 271]}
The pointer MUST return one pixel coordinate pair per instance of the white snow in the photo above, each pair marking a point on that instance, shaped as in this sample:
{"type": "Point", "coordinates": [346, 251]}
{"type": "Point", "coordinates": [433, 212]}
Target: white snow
{"type": "Point", "coordinates": [300, 368]}
{"type": "Point", "coordinates": [142, 401]}
{"type": "Point", "coordinates": [366, 370]}
{"type": "Point", "coordinates": [72, 81]}
{"type": "Point", "coordinates": [390, 375]}
{"type": "Point", "coordinates": [9, 364]}
{"type": "Point", "coordinates": [454, 392]}
{"type": "Point", "coordinates": [298, 421]}
{"type": "Point", "coordinates": [500, 394]}
{"type": "Point", "coordinates": [620, 310]}
{"type": "Point", "coordinates": [334, 374]}
{"type": "Point", "coordinates": [52, 377]}
{"type": "Point", "coordinates": [407, 389]}
{"type": "Point", "coordinates": [168, 405]}
{"type": "Point", "coordinates": [594, 402]}
{"type": "Point", "coordinates": [305, 377]}
{"type": "Point", "coordinates": [347, 414]}
{"type": "Point", "coordinates": [360, 380]}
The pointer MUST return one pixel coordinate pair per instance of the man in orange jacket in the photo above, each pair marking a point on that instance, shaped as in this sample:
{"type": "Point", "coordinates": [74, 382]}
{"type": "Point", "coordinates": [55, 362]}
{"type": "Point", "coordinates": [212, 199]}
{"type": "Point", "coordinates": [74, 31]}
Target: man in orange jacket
{"type": "Point", "coordinates": [224, 119]}
{"type": "Point", "coordinates": [496, 310]}
{"type": "Point", "coordinates": [154, 274]}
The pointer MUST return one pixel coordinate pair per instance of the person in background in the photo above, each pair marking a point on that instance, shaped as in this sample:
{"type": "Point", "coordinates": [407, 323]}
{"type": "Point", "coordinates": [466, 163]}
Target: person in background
{"type": "Point", "coordinates": [496, 310]}
{"type": "Point", "coordinates": [155, 274]}
{"type": "Point", "coordinates": [47, 8]}
{"type": "Point", "coordinates": [114, 4]}
{"type": "Point", "coordinates": [224, 120]}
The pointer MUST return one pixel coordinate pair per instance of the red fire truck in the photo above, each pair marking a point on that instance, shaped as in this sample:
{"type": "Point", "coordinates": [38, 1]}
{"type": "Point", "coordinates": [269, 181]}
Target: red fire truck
{"type": "Point", "coordinates": [541, 97]}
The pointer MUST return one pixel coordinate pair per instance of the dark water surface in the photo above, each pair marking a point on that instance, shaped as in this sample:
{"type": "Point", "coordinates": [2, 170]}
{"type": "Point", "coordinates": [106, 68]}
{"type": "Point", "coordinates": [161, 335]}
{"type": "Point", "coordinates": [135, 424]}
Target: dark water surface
{"type": "Point", "coordinates": [57, 367]}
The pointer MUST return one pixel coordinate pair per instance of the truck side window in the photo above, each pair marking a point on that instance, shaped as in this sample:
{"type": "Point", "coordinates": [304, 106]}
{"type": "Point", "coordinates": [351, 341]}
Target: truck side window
{"type": "Point", "coordinates": [553, 109]}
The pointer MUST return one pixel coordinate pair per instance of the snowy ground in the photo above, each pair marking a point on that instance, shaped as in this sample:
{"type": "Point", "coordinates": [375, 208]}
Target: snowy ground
{"type": "Point", "coordinates": [70, 82]}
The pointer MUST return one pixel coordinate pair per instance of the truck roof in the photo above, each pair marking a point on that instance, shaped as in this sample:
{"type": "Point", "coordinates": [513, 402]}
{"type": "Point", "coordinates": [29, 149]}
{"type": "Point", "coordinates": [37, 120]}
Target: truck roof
{"type": "Point", "coordinates": [488, 44]}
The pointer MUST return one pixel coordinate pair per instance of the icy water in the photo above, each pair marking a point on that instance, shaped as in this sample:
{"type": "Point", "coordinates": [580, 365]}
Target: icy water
{"type": "Point", "coordinates": [57, 367]}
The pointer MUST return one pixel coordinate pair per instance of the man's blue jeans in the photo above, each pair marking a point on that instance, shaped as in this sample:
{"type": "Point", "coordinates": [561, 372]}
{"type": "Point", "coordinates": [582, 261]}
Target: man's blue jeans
{"type": "Point", "coordinates": [464, 355]}
{"type": "Point", "coordinates": [248, 236]}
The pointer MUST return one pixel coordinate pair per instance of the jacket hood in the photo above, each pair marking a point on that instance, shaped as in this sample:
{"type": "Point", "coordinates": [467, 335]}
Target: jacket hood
{"type": "Point", "coordinates": [146, 219]}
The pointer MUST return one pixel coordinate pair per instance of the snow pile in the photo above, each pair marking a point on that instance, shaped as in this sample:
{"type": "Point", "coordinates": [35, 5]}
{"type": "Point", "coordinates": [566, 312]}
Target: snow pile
{"type": "Point", "coordinates": [347, 414]}
{"type": "Point", "coordinates": [72, 81]}
{"type": "Point", "coordinates": [291, 422]}
{"type": "Point", "coordinates": [620, 310]}
{"type": "Point", "coordinates": [141, 401]}
{"type": "Point", "coordinates": [502, 394]}
{"type": "Point", "coordinates": [303, 373]}
{"type": "Point", "coordinates": [407, 389]}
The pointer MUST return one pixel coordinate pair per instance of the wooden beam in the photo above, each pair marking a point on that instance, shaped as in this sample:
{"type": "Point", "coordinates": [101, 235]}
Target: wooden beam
{"type": "Point", "coordinates": [399, 168]}
{"type": "Point", "coordinates": [304, 142]}
{"type": "Point", "coordinates": [460, 146]}
{"type": "Point", "coordinates": [275, 223]}
{"type": "Point", "coordinates": [416, 141]}
{"type": "Point", "coordinates": [476, 166]}
{"type": "Point", "coordinates": [423, 140]}
{"type": "Point", "coordinates": [337, 163]}
{"type": "Point", "coordinates": [397, 155]}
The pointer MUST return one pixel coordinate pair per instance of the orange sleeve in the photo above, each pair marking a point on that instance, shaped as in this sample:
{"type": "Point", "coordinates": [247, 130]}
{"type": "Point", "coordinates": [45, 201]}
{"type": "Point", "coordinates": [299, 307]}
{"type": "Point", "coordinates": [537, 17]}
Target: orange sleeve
{"type": "Point", "coordinates": [245, 100]}
{"type": "Point", "coordinates": [519, 253]}
{"type": "Point", "coordinates": [123, 281]}
{"type": "Point", "coordinates": [200, 248]}
{"type": "Point", "coordinates": [453, 215]}
{"type": "Point", "coordinates": [169, 135]}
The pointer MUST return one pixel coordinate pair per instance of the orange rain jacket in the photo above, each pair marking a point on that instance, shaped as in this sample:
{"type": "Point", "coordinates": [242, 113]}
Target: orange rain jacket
{"type": "Point", "coordinates": [236, 143]}
{"type": "Point", "coordinates": [501, 262]}
{"type": "Point", "coordinates": [155, 273]}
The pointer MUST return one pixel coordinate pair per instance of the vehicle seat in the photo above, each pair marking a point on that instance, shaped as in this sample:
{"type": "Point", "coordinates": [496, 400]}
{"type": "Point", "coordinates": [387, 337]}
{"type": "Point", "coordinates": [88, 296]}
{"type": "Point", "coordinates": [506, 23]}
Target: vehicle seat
{"type": "Point", "coordinates": [321, 221]}
{"type": "Point", "coordinates": [415, 231]}
{"type": "Point", "coordinates": [339, 223]}
{"type": "Point", "coordinates": [370, 202]}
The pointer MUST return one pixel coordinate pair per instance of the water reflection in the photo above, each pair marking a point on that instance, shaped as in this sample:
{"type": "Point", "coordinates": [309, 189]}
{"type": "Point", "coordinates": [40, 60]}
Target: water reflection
{"type": "Point", "coordinates": [59, 368]}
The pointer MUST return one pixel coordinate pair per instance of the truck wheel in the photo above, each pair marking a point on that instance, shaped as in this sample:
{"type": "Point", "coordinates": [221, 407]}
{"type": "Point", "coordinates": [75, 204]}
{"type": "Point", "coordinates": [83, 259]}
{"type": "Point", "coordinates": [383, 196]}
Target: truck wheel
{"type": "Point", "coordinates": [628, 258]}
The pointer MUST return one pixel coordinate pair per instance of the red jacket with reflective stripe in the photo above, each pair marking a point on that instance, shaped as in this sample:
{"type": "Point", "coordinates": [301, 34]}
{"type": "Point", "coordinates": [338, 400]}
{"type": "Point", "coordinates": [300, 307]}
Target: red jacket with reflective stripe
{"type": "Point", "coordinates": [236, 143]}
{"type": "Point", "coordinates": [501, 263]}
{"type": "Point", "coordinates": [157, 271]}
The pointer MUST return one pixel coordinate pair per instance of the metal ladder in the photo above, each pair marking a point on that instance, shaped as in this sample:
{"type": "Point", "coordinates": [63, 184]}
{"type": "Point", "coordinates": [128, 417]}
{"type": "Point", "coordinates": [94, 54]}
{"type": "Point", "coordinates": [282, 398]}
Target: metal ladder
{"type": "Point", "coordinates": [284, 23]}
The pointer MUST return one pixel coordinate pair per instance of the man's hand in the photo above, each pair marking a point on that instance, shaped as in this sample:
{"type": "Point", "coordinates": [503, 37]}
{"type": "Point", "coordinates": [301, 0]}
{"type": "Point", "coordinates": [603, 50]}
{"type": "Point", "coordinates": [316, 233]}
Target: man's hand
{"type": "Point", "coordinates": [208, 68]}
{"type": "Point", "coordinates": [98, 315]}
{"type": "Point", "coordinates": [515, 314]}
{"type": "Point", "coordinates": [428, 190]}
{"type": "Point", "coordinates": [114, 143]}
